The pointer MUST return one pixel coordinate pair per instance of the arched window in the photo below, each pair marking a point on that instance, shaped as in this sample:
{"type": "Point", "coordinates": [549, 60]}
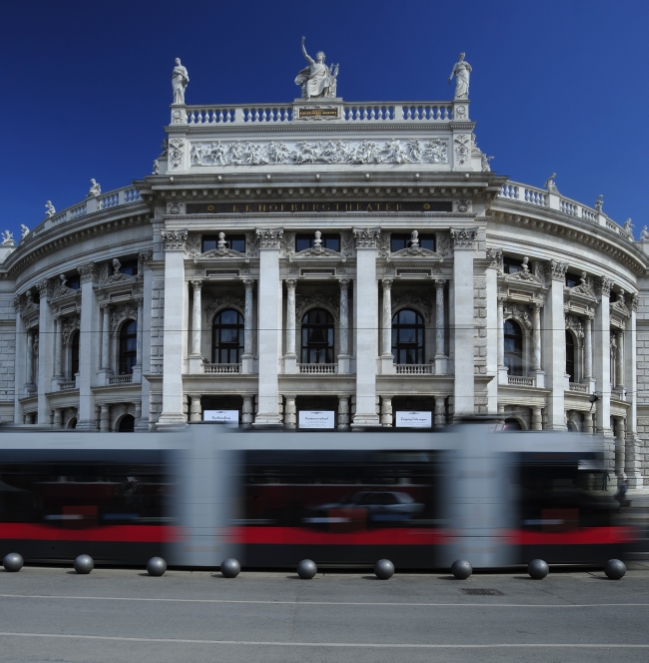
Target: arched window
{"type": "Point", "coordinates": [570, 356]}
{"type": "Point", "coordinates": [318, 337]}
{"type": "Point", "coordinates": [126, 424]}
{"type": "Point", "coordinates": [408, 337]}
{"type": "Point", "coordinates": [127, 347]}
{"type": "Point", "coordinates": [513, 339]}
{"type": "Point", "coordinates": [74, 354]}
{"type": "Point", "coordinates": [72, 423]}
{"type": "Point", "coordinates": [227, 337]}
{"type": "Point", "coordinates": [513, 424]}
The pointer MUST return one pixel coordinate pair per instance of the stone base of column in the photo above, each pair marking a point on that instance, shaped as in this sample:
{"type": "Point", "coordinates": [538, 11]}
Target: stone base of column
{"type": "Point", "coordinates": [539, 380]}
{"type": "Point", "coordinates": [87, 424]}
{"type": "Point", "coordinates": [247, 364]}
{"type": "Point", "coordinates": [503, 375]}
{"type": "Point", "coordinates": [364, 420]}
{"type": "Point", "coordinates": [102, 376]}
{"type": "Point", "coordinates": [387, 365]}
{"type": "Point", "coordinates": [56, 381]}
{"type": "Point", "coordinates": [171, 421]}
{"type": "Point", "coordinates": [441, 364]}
{"type": "Point", "coordinates": [632, 469]}
{"type": "Point", "coordinates": [141, 425]}
{"type": "Point", "coordinates": [268, 420]}
{"type": "Point", "coordinates": [609, 449]}
{"type": "Point", "coordinates": [196, 364]}
{"type": "Point", "coordinates": [290, 364]}
{"type": "Point", "coordinates": [343, 364]}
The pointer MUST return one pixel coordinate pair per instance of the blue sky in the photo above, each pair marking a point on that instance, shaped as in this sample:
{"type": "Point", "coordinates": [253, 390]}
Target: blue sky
{"type": "Point", "coordinates": [556, 86]}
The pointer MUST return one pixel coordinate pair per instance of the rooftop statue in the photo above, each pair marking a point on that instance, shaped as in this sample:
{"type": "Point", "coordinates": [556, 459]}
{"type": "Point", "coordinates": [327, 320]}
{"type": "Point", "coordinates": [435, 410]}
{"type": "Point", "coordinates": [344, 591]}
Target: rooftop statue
{"type": "Point", "coordinates": [645, 233]}
{"type": "Point", "coordinates": [550, 183]}
{"type": "Point", "coordinates": [317, 80]}
{"type": "Point", "coordinates": [24, 231]}
{"type": "Point", "coordinates": [7, 238]}
{"type": "Point", "coordinates": [49, 209]}
{"type": "Point", "coordinates": [95, 189]}
{"type": "Point", "coordinates": [599, 203]}
{"type": "Point", "coordinates": [179, 80]}
{"type": "Point", "coordinates": [461, 71]}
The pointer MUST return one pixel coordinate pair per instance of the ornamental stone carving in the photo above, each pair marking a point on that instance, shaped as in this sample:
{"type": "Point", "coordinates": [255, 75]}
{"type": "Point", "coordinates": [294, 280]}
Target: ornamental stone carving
{"type": "Point", "coordinates": [317, 80]}
{"type": "Point", "coordinates": [463, 238]}
{"type": "Point", "coordinates": [270, 238]}
{"type": "Point", "coordinates": [461, 71]}
{"type": "Point", "coordinates": [317, 300]}
{"type": "Point", "coordinates": [421, 305]}
{"type": "Point", "coordinates": [604, 286]}
{"type": "Point", "coordinates": [584, 287]}
{"type": "Point", "coordinates": [143, 260]}
{"type": "Point", "coordinates": [367, 238]}
{"type": "Point", "coordinates": [463, 206]}
{"type": "Point", "coordinates": [70, 325]}
{"type": "Point", "coordinates": [179, 81]}
{"type": "Point", "coordinates": [556, 270]}
{"type": "Point", "coordinates": [634, 302]}
{"type": "Point", "coordinates": [574, 324]}
{"type": "Point", "coordinates": [226, 301]}
{"type": "Point", "coordinates": [87, 272]}
{"type": "Point", "coordinates": [174, 240]}
{"type": "Point", "coordinates": [519, 313]}
{"type": "Point", "coordinates": [176, 151]}
{"type": "Point", "coordinates": [443, 244]}
{"type": "Point", "coordinates": [496, 258]}
{"type": "Point", "coordinates": [120, 314]}
{"type": "Point", "coordinates": [619, 305]}
{"type": "Point", "coordinates": [462, 148]}
{"type": "Point", "coordinates": [44, 288]}
{"type": "Point", "coordinates": [246, 153]}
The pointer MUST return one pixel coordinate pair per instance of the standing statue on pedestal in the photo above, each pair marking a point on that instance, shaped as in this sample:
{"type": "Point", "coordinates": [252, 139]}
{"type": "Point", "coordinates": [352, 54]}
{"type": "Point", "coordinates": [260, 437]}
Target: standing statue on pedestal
{"type": "Point", "coordinates": [461, 71]}
{"type": "Point", "coordinates": [95, 188]}
{"type": "Point", "coordinates": [179, 80]}
{"type": "Point", "coordinates": [317, 80]}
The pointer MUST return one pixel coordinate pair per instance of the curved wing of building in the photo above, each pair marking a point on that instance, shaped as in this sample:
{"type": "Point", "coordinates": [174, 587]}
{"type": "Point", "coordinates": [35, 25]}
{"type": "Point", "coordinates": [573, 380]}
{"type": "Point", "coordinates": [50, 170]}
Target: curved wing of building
{"type": "Point", "coordinates": [327, 264]}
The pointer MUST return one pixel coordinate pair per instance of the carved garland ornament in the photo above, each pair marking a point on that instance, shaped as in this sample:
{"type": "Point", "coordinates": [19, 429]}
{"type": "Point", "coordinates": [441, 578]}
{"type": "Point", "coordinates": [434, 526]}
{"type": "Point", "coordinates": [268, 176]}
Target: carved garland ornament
{"type": "Point", "coordinates": [462, 148]}
{"type": "Point", "coordinates": [393, 151]}
{"type": "Point", "coordinates": [174, 240]}
{"type": "Point", "coordinates": [270, 238]}
{"type": "Point", "coordinates": [463, 238]}
{"type": "Point", "coordinates": [557, 270]}
{"type": "Point", "coordinates": [120, 314]}
{"type": "Point", "coordinates": [176, 149]}
{"type": "Point", "coordinates": [367, 238]}
{"type": "Point", "coordinates": [519, 313]}
{"type": "Point", "coordinates": [574, 324]}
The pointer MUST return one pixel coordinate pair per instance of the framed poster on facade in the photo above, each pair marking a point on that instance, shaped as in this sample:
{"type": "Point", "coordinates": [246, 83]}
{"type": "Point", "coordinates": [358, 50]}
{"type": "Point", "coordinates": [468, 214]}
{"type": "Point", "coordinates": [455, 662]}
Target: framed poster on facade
{"type": "Point", "coordinates": [230, 417]}
{"type": "Point", "coordinates": [413, 419]}
{"type": "Point", "coordinates": [317, 419]}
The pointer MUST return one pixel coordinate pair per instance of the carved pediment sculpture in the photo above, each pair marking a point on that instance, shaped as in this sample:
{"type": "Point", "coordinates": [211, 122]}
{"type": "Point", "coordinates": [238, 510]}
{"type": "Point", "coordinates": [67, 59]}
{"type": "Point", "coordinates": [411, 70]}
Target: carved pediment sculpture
{"type": "Point", "coordinates": [519, 313]}
{"type": "Point", "coordinates": [110, 275]}
{"type": "Point", "coordinates": [524, 275]}
{"type": "Point", "coordinates": [584, 288]}
{"type": "Point", "coordinates": [574, 324]}
{"type": "Point", "coordinates": [619, 305]}
{"type": "Point", "coordinates": [414, 250]}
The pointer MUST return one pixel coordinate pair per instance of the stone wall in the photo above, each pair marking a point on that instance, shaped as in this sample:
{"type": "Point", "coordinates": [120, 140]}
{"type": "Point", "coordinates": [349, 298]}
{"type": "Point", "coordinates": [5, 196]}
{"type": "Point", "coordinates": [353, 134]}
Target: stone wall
{"type": "Point", "coordinates": [7, 358]}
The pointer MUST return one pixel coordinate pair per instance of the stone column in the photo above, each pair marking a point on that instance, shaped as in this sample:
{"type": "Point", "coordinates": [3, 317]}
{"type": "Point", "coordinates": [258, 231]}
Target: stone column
{"type": "Point", "coordinates": [88, 337]}
{"type": "Point", "coordinates": [30, 360]}
{"type": "Point", "coordinates": [536, 336]}
{"type": "Point", "coordinates": [247, 412]}
{"type": "Point", "coordinates": [58, 374]}
{"type": "Point", "coordinates": [45, 353]}
{"type": "Point", "coordinates": [588, 347]}
{"type": "Point", "coordinates": [58, 418]}
{"type": "Point", "coordinates": [105, 338]}
{"type": "Point", "coordinates": [343, 356]}
{"type": "Point", "coordinates": [196, 356]}
{"type": "Point", "coordinates": [440, 411]}
{"type": "Point", "coordinates": [137, 369]}
{"type": "Point", "coordinates": [21, 377]}
{"type": "Point", "coordinates": [290, 412]}
{"type": "Point", "coordinates": [195, 410]}
{"type": "Point", "coordinates": [290, 358]}
{"type": "Point", "coordinates": [269, 323]}
{"type": "Point", "coordinates": [144, 268]}
{"type": "Point", "coordinates": [502, 369]}
{"type": "Point", "coordinates": [555, 339]}
{"type": "Point", "coordinates": [175, 293]}
{"type": "Point", "coordinates": [104, 419]}
{"type": "Point", "coordinates": [620, 436]}
{"type": "Point", "coordinates": [601, 334]}
{"type": "Point", "coordinates": [366, 306]}
{"type": "Point", "coordinates": [440, 329]}
{"type": "Point", "coordinates": [248, 357]}
{"type": "Point", "coordinates": [343, 413]}
{"type": "Point", "coordinates": [386, 411]}
{"type": "Point", "coordinates": [633, 447]}
{"type": "Point", "coordinates": [537, 419]}
{"type": "Point", "coordinates": [588, 423]}
{"type": "Point", "coordinates": [464, 386]}
{"type": "Point", "coordinates": [619, 363]}
{"type": "Point", "coordinates": [387, 360]}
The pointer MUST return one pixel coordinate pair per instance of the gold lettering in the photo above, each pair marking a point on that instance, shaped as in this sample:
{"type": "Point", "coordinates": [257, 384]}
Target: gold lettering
{"type": "Point", "coordinates": [326, 207]}
{"type": "Point", "coordinates": [272, 208]}
{"type": "Point", "coordinates": [399, 206]}
{"type": "Point", "coordinates": [294, 207]}
{"type": "Point", "coordinates": [248, 208]}
{"type": "Point", "coordinates": [369, 208]}
{"type": "Point", "coordinates": [358, 207]}
{"type": "Point", "coordinates": [349, 207]}
{"type": "Point", "coordinates": [316, 207]}
{"type": "Point", "coordinates": [234, 208]}
{"type": "Point", "coordinates": [387, 207]}
{"type": "Point", "coordinates": [281, 208]}
{"type": "Point", "coordinates": [262, 207]}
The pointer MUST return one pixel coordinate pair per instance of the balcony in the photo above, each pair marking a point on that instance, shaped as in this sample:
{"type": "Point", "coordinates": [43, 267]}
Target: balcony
{"type": "Point", "coordinates": [223, 368]}
{"type": "Point", "coordinates": [318, 369]}
{"type": "Point", "coordinates": [578, 388]}
{"type": "Point", "coordinates": [520, 381]}
{"type": "Point", "coordinates": [414, 369]}
{"type": "Point", "coordinates": [120, 379]}
{"type": "Point", "coordinates": [65, 386]}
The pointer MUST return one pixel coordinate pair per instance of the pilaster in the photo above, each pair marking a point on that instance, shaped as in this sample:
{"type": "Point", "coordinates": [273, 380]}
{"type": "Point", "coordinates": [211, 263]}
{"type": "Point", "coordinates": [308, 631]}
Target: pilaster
{"type": "Point", "coordinates": [45, 352]}
{"type": "Point", "coordinates": [88, 338]}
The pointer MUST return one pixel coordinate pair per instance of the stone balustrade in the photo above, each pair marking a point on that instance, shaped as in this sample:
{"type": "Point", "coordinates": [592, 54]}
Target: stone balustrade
{"type": "Point", "coordinates": [65, 386]}
{"type": "Point", "coordinates": [318, 368]}
{"type": "Point", "coordinates": [520, 381]}
{"type": "Point", "coordinates": [579, 388]}
{"type": "Point", "coordinates": [120, 379]}
{"type": "Point", "coordinates": [370, 112]}
{"type": "Point", "coordinates": [538, 197]}
{"type": "Point", "coordinates": [222, 368]}
{"type": "Point", "coordinates": [414, 369]}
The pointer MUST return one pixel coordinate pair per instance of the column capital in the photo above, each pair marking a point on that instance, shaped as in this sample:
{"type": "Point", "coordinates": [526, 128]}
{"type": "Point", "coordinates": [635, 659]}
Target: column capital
{"type": "Point", "coordinates": [197, 284]}
{"type": "Point", "coordinates": [269, 238]}
{"type": "Point", "coordinates": [556, 270]}
{"type": "Point", "coordinates": [440, 283]}
{"type": "Point", "coordinates": [604, 286]}
{"type": "Point", "coordinates": [387, 283]}
{"type": "Point", "coordinates": [344, 283]}
{"type": "Point", "coordinates": [248, 281]}
{"type": "Point", "coordinates": [291, 284]}
{"type": "Point", "coordinates": [366, 238]}
{"type": "Point", "coordinates": [43, 288]}
{"type": "Point", "coordinates": [174, 240]}
{"type": "Point", "coordinates": [105, 306]}
{"type": "Point", "coordinates": [87, 272]}
{"type": "Point", "coordinates": [463, 238]}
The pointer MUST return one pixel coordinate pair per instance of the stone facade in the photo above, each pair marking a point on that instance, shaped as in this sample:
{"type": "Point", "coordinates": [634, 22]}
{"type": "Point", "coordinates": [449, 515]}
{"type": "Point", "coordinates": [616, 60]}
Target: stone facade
{"type": "Point", "coordinates": [369, 264]}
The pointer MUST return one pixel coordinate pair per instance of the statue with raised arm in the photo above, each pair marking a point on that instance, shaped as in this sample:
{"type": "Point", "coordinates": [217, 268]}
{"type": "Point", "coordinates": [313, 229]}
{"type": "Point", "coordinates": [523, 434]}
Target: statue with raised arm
{"type": "Point", "coordinates": [644, 234]}
{"type": "Point", "coordinates": [461, 71]}
{"type": "Point", "coordinates": [317, 80]}
{"type": "Point", "coordinates": [599, 203]}
{"type": "Point", "coordinates": [7, 238]}
{"type": "Point", "coordinates": [550, 183]}
{"type": "Point", "coordinates": [179, 80]}
{"type": "Point", "coordinates": [49, 209]}
{"type": "Point", "coordinates": [24, 231]}
{"type": "Point", "coordinates": [95, 188]}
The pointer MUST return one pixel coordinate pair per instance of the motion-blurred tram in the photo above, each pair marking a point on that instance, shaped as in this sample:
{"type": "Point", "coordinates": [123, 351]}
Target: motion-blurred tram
{"type": "Point", "coordinates": [343, 499]}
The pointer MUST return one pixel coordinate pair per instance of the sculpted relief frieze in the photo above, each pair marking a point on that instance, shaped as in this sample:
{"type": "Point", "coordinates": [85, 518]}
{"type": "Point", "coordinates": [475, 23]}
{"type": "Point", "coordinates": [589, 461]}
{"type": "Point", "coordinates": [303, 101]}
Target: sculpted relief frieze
{"type": "Point", "coordinates": [245, 153]}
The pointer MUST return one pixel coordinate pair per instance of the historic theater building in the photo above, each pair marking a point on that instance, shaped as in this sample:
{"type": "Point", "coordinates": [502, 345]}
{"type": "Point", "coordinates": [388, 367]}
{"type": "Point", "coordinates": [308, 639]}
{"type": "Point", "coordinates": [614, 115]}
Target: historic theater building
{"type": "Point", "coordinates": [356, 264]}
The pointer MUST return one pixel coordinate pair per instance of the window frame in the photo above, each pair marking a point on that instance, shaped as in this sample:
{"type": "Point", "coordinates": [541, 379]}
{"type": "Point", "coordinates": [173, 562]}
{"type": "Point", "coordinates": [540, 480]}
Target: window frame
{"type": "Point", "coordinates": [323, 350]}
{"type": "Point", "coordinates": [327, 240]}
{"type": "Point", "coordinates": [219, 346]}
{"type": "Point", "coordinates": [127, 358]}
{"type": "Point", "coordinates": [514, 367]}
{"type": "Point", "coordinates": [398, 347]}
{"type": "Point", "coordinates": [406, 240]}
{"type": "Point", "coordinates": [229, 242]}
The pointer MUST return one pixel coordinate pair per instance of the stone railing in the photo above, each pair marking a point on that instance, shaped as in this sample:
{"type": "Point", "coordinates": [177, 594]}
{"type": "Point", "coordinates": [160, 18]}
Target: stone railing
{"type": "Point", "coordinates": [223, 368]}
{"type": "Point", "coordinates": [579, 388]}
{"type": "Point", "coordinates": [120, 379]}
{"type": "Point", "coordinates": [554, 200]}
{"type": "Point", "coordinates": [32, 392]}
{"type": "Point", "coordinates": [414, 369]}
{"type": "Point", "coordinates": [372, 111]}
{"type": "Point", "coordinates": [318, 368]}
{"type": "Point", "coordinates": [520, 381]}
{"type": "Point", "coordinates": [123, 196]}
{"type": "Point", "coordinates": [64, 386]}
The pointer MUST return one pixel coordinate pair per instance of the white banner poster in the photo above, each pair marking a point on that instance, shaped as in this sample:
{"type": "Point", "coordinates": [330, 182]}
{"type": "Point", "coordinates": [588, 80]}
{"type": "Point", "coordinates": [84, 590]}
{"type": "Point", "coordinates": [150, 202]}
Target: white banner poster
{"type": "Point", "coordinates": [317, 419]}
{"type": "Point", "coordinates": [413, 419]}
{"type": "Point", "coordinates": [224, 416]}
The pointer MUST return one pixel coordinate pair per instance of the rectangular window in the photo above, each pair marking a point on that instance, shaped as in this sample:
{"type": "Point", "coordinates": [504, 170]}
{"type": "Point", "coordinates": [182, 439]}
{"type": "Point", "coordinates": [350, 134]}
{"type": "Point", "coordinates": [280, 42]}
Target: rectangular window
{"type": "Point", "coordinates": [129, 267]}
{"type": "Point", "coordinates": [234, 242]}
{"type": "Point", "coordinates": [303, 242]}
{"type": "Point", "coordinates": [399, 241]}
{"type": "Point", "coordinates": [512, 265]}
{"type": "Point", "coordinates": [572, 280]}
{"type": "Point", "coordinates": [74, 282]}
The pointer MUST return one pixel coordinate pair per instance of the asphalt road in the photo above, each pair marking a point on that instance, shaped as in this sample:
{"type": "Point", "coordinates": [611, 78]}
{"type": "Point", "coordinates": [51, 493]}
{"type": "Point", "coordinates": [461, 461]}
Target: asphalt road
{"type": "Point", "coordinates": [125, 615]}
